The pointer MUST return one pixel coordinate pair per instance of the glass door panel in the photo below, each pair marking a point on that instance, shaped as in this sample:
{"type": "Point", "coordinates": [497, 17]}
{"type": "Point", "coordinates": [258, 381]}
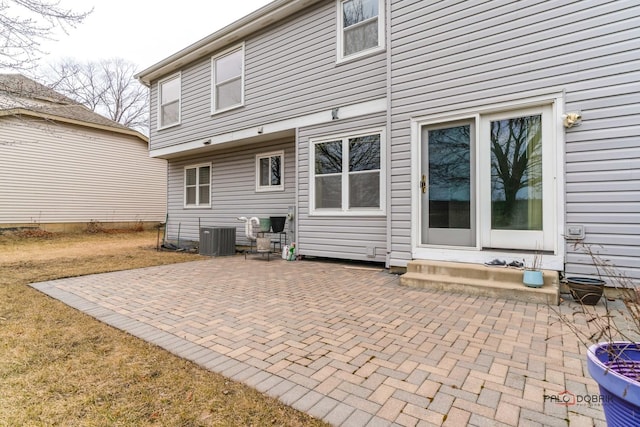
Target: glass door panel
{"type": "Point", "coordinates": [518, 200]}
{"type": "Point", "coordinates": [516, 173]}
{"type": "Point", "coordinates": [447, 184]}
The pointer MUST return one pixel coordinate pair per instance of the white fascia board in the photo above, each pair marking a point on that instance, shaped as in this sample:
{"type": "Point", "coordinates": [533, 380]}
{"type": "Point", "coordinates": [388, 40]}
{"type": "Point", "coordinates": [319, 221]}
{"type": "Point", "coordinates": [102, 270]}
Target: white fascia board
{"type": "Point", "coordinates": [275, 128]}
{"type": "Point", "coordinates": [239, 30]}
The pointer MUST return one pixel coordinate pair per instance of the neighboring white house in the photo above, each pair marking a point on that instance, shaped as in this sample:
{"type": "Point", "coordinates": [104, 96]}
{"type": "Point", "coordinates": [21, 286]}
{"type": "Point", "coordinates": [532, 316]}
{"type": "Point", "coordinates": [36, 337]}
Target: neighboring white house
{"type": "Point", "coordinates": [63, 166]}
{"type": "Point", "coordinates": [402, 130]}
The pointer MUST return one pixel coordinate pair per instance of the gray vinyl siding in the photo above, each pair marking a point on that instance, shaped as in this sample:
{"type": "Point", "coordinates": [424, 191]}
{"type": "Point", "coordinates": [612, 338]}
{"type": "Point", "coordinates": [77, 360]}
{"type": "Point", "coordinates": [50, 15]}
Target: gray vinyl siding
{"type": "Point", "coordinates": [233, 191]}
{"type": "Point", "coordinates": [345, 237]}
{"type": "Point", "coordinates": [290, 71]}
{"type": "Point", "coordinates": [603, 181]}
{"type": "Point", "coordinates": [61, 173]}
{"type": "Point", "coordinates": [448, 56]}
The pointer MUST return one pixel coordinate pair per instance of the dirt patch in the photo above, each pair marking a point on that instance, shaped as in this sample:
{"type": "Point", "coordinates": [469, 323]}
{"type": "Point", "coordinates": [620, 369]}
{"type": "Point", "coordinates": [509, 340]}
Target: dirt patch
{"type": "Point", "coordinates": [59, 366]}
{"type": "Point", "coordinates": [16, 247]}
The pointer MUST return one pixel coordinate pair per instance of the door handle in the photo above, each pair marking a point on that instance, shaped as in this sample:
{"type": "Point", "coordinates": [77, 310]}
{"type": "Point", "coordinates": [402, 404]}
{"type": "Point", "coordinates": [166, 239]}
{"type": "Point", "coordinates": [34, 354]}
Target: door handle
{"type": "Point", "coordinates": [423, 184]}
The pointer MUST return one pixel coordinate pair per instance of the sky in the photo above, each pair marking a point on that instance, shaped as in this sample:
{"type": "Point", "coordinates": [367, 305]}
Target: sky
{"type": "Point", "coordinates": [143, 32]}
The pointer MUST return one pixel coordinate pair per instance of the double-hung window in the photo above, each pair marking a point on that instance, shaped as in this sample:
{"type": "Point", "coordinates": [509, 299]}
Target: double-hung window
{"type": "Point", "coordinates": [169, 105]}
{"type": "Point", "coordinates": [270, 171]}
{"type": "Point", "coordinates": [348, 175]}
{"type": "Point", "coordinates": [227, 80]}
{"type": "Point", "coordinates": [197, 186]}
{"type": "Point", "coordinates": [360, 27]}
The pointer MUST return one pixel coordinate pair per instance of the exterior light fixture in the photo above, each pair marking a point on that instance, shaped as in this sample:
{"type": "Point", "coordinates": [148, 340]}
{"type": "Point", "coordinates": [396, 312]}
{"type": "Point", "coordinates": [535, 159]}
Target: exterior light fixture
{"type": "Point", "coordinates": [572, 119]}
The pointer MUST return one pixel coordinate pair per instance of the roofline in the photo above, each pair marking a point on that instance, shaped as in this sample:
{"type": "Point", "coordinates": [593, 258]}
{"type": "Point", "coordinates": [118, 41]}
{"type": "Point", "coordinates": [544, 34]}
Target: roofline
{"type": "Point", "coordinates": [240, 29]}
{"type": "Point", "coordinates": [53, 117]}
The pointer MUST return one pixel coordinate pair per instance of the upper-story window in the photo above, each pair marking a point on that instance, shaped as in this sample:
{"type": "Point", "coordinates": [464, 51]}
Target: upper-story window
{"type": "Point", "coordinates": [360, 27]}
{"type": "Point", "coordinates": [169, 105]}
{"type": "Point", "coordinates": [227, 80]}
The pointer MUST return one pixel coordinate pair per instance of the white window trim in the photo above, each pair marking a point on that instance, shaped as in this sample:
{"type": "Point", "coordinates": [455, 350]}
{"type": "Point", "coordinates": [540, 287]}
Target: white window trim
{"type": "Point", "coordinates": [213, 79]}
{"type": "Point", "coordinates": [266, 188]}
{"type": "Point", "coordinates": [340, 57]}
{"type": "Point", "coordinates": [159, 126]}
{"type": "Point", "coordinates": [184, 185]}
{"type": "Point", "coordinates": [345, 211]}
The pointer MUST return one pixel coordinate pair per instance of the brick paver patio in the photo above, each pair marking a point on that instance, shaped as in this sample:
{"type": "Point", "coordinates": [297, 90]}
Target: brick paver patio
{"type": "Point", "coordinates": [347, 344]}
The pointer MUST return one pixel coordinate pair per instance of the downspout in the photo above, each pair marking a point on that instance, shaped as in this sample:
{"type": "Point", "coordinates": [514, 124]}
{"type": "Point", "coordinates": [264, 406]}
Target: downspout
{"type": "Point", "coordinates": [296, 214]}
{"type": "Point", "coordinates": [388, 133]}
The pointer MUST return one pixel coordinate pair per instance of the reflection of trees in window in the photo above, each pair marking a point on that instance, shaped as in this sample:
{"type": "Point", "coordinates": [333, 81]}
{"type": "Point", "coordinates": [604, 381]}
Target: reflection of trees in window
{"type": "Point", "coordinates": [328, 169]}
{"type": "Point", "coordinates": [516, 172]}
{"type": "Point", "coordinates": [449, 154]}
{"type": "Point", "coordinates": [275, 170]}
{"type": "Point", "coordinates": [351, 165]}
{"type": "Point", "coordinates": [360, 23]}
{"type": "Point", "coordinates": [328, 157]}
{"type": "Point", "coordinates": [450, 163]}
{"type": "Point", "coordinates": [364, 153]}
{"type": "Point", "coordinates": [270, 170]}
{"type": "Point", "coordinates": [364, 168]}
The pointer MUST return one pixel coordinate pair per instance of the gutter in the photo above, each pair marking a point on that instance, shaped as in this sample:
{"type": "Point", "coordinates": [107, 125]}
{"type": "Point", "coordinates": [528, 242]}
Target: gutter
{"type": "Point", "coordinates": [269, 14]}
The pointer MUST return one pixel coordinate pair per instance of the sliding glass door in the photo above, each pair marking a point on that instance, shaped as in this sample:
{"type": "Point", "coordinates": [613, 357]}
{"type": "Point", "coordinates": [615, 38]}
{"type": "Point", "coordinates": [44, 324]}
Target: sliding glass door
{"type": "Point", "coordinates": [508, 161]}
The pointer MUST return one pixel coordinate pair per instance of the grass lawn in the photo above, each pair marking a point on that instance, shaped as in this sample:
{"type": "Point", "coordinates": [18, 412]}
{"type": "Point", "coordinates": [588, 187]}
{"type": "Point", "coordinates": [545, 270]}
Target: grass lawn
{"type": "Point", "coordinates": [59, 366]}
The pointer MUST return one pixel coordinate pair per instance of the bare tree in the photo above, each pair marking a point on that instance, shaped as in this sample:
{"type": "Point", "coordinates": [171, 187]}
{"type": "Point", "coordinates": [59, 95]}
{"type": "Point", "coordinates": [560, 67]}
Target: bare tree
{"type": "Point", "coordinates": [24, 24]}
{"type": "Point", "coordinates": [516, 164]}
{"type": "Point", "coordinates": [107, 87]}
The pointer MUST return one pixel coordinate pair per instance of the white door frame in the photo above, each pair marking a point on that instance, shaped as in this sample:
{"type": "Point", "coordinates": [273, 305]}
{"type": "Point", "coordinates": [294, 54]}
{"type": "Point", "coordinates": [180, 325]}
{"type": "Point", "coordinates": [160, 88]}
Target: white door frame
{"type": "Point", "coordinates": [553, 259]}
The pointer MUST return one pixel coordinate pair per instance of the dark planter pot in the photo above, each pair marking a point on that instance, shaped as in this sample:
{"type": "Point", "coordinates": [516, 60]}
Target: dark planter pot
{"type": "Point", "coordinates": [585, 290]}
{"type": "Point", "coordinates": [277, 223]}
{"type": "Point", "coordinates": [615, 366]}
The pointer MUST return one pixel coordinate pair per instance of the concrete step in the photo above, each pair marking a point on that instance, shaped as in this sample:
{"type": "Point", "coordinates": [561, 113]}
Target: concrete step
{"type": "Point", "coordinates": [481, 280]}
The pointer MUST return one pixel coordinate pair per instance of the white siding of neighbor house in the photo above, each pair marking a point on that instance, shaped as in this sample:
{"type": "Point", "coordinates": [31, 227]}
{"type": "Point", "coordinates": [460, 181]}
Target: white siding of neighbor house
{"type": "Point", "coordinates": [346, 237]}
{"type": "Point", "coordinates": [233, 191]}
{"type": "Point", "coordinates": [60, 173]}
{"type": "Point", "coordinates": [448, 56]}
{"type": "Point", "coordinates": [290, 71]}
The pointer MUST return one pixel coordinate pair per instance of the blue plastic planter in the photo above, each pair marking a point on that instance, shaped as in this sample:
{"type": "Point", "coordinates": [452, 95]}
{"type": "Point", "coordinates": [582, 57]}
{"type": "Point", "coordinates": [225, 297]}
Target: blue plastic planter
{"type": "Point", "coordinates": [533, 278]}
{"type": "Point", "coordinates": [614, 366]}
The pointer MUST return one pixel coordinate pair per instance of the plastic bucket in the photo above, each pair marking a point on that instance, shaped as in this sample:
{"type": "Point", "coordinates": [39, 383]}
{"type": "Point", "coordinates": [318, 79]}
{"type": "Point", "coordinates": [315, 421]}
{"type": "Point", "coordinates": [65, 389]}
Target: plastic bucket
{"type": "Point", "coordinates": [265, 225]}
